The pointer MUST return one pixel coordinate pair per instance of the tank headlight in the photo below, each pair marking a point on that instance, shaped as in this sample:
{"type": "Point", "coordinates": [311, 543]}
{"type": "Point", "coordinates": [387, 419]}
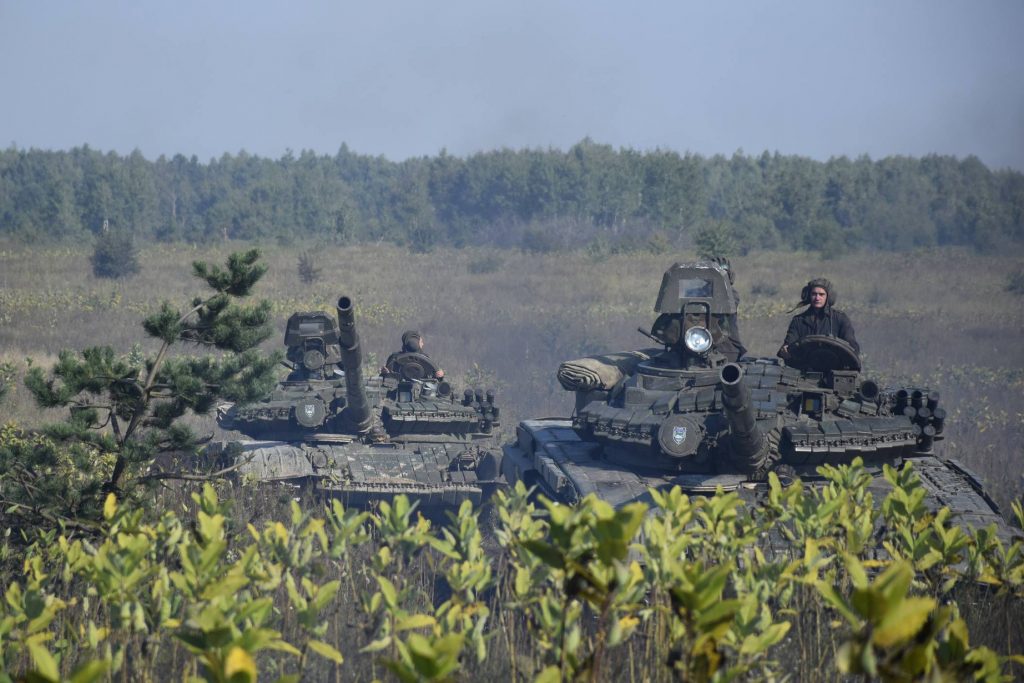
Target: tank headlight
{"type": "Point", "coordinates": [697, 339]}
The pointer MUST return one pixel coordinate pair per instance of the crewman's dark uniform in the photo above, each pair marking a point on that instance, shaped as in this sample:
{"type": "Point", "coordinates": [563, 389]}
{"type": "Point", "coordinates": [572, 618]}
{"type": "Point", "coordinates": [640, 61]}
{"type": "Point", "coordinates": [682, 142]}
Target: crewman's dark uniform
{"type": "Point", "coordinates": [828, 321]}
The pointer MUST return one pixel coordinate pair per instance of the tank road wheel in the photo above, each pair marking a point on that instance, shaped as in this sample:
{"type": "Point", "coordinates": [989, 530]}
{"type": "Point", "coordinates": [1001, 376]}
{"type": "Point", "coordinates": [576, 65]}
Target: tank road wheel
{"type": "Point", "coordinates": [773, 460]}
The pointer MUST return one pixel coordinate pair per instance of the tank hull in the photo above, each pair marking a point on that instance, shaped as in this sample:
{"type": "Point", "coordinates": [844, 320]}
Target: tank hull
{"type": "Point", "coordinates": [550, 455]}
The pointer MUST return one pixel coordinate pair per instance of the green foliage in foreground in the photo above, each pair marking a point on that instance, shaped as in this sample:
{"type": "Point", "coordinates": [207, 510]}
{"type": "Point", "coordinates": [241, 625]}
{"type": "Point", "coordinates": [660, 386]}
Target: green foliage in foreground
{"type": "Point", "coordinates": [123, 410]}
{"type": "Point", "coordinates": [195, 593]}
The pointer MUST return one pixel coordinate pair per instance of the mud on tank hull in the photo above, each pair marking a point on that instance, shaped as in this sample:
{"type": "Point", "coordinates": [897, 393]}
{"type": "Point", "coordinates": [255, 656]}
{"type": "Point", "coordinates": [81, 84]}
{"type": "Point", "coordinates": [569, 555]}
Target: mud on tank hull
{"type": "Point", "coordinates": [439, 475]}
{"type": "Point", "coordinates": [549, 454]}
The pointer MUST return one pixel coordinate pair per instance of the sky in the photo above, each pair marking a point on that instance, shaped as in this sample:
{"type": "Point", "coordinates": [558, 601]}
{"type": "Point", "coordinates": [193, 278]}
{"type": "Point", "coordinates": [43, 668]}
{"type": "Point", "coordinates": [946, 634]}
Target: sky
{"type": "Point", "coordinates": [407, 78]}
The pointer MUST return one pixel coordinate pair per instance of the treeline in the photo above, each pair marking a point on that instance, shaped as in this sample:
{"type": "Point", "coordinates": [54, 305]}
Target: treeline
{"type": "Point", "coordinates": [533, 198]}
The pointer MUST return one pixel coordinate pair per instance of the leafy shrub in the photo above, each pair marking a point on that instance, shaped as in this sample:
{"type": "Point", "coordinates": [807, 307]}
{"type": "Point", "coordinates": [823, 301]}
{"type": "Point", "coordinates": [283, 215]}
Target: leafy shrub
{"type": "Point", "coordinates": [658, 243]}
{"type": "Point", "coordinates": [421, 239]}
{"type": "Point", "coordinates": [764, 289]}
{"type": "Point", "coordinates": [115, 255]}
{"type": "Point", "coordinates": [568, 593]}
{"type": "Point", "coordinates": [715, 240]}
{"type": "Point", "coordinates": [486, 264]}
{"type": "Point", "coordinates": [1015, 282]}
{"type": "Point", "coordinates": [539, 241]}
{"type": "Point", "coordinates": [7, 375]}
{"type": "Point", "coordinates": [307, 268]}
{"type": "Point", "coordinates": [878, 295]}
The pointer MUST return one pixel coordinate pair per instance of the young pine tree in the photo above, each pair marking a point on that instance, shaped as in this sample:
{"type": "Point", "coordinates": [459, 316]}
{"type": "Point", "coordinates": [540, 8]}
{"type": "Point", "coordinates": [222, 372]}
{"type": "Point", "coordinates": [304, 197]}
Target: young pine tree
{"type": "Point", "coordinates": [114, 255]}
{"type": "Point", "coordinates": [715, 241]}
{"type": "Point", "coordinates": [124, 410]}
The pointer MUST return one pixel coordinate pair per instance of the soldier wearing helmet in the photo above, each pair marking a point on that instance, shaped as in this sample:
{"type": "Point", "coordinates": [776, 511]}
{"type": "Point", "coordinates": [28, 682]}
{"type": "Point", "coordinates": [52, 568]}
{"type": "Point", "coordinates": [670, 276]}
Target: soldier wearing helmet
{"type": "Point", "coordinates": [412, 343]}
{"type": "Point", "coordinates": [820, 317]}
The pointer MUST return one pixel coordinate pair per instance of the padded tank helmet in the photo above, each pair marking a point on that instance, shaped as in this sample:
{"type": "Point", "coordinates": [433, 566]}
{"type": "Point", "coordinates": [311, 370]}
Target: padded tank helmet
{"type": "Point", "coordinates": [830, 289]}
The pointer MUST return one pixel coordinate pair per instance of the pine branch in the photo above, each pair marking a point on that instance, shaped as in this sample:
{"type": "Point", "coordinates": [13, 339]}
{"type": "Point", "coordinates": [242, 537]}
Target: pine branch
{"type": "Point", "coordinates": [219, 474]}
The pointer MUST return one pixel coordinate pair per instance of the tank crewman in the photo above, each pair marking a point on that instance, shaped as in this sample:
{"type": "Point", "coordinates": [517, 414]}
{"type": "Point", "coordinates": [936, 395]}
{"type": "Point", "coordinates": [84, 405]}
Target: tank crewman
{"type": "Point", "coordinates": [412, 342]}
{"type": "Point", "coordinates": [820, 317]}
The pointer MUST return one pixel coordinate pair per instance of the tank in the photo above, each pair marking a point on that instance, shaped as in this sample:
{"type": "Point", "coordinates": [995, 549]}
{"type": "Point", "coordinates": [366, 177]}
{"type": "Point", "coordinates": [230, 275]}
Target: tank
{"type": "Point", "coordinates": [328, 427]}
{"type": "Point", "coordinates": [693, 412]}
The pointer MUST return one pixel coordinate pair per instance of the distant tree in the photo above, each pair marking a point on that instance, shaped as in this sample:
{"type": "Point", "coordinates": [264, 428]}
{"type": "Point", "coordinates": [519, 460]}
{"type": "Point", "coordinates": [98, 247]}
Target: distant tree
{"type": "Point", "coordinates": [658, 243]}
{"type": "Point", "coordinates": [715, 241]}
{"type": "Point", "coordinates": [7, 375]}
{"type": "Point", "coordinates": [124, 410]}
{"type": "Point", "coordinates": [538, 241]}
{"type": "Point", "coordinates": [1015, 282]}
{"type": "Point", "coordinates": [307, 268]}
{"type": "Point", "coordinates": [114, 255]}
{"type": "Point", "coordinates": [769, 200]}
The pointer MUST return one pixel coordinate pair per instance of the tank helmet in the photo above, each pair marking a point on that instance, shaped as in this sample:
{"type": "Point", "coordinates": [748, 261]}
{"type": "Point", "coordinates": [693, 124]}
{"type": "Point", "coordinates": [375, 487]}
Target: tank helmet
{"type": "Point", "coordinates": [830, 290]}
{"type": "Point", "coordinates": [411, 341]}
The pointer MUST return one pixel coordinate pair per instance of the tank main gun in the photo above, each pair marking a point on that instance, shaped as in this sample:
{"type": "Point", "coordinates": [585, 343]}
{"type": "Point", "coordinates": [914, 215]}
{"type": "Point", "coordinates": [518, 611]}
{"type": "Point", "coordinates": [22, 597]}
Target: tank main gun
{"type": "Point", "coordinates": [748, 445]}
{"type": "Point", "coordinates": [357, 411]}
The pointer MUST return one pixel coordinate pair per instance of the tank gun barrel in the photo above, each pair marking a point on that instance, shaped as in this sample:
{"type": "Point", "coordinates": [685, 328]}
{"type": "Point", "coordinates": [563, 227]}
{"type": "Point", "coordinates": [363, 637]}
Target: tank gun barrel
{"type": "Point", "coordinates": [358, 409]}
{"type": "Point", "coordinates": [749, 447]}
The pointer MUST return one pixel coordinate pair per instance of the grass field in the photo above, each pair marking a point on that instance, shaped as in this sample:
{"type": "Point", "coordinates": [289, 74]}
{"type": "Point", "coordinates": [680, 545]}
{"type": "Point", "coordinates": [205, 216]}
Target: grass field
{"type": "Point", "coordinates": [506, 319]}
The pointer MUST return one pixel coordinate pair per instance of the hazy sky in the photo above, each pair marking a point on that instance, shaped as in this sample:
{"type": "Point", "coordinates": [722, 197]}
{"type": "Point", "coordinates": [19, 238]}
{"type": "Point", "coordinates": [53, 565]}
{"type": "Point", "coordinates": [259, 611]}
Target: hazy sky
{"type": "Point", "coordinates": [407, 78]}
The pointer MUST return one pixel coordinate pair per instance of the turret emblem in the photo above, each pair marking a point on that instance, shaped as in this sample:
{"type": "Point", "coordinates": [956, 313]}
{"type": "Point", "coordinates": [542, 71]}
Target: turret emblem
{"type": "Point", "coordinates": [678, 435]}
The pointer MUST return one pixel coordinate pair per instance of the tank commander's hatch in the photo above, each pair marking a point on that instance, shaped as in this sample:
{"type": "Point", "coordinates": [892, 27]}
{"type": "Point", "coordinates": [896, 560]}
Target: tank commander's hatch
{"type": "Point", "coordinates": [411, 366]}
{"type": "Point", "coordinates": [821, 353]}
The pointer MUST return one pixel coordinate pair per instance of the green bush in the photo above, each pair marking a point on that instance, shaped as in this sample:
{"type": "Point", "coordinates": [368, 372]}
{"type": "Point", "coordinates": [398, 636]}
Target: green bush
{"type": "Point", "coordinates": [7, 375]}
{"type": "Point", "coordinates": [764, 289]}
{"type": "Point", "coordinates": [715, 240]}
{"type": "Point", "coordinates": [539, 241]}
{"type": "Point", "coordinates": [1015, 283]}
{"type": "Point", "coordinates": [115, 255]}
{"type": "Point", "coordinates": [308, 271]}
{"type": "Point", "coordinates": [680, 587]}
{"type": "Point", "coordinates": [486, 264]}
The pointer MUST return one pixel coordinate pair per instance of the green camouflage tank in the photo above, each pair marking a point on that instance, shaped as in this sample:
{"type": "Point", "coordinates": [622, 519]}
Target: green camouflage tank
{"type": "Point", "coordinates": [693, 412]}
{"type": "Point", "coordinates": [364, 439]}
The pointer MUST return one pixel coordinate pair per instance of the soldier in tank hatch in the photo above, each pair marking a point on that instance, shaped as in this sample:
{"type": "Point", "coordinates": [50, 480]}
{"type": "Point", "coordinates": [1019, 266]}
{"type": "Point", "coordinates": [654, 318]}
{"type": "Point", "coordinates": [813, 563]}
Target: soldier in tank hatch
{"type": "Point", "coordinates": [820, 318]}
{"type": "Point", "coordinates": [412, 342]}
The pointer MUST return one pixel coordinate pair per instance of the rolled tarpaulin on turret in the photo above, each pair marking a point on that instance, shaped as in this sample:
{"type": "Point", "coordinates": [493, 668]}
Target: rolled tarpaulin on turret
{"type": "Point", "coordinates": [600, 372]}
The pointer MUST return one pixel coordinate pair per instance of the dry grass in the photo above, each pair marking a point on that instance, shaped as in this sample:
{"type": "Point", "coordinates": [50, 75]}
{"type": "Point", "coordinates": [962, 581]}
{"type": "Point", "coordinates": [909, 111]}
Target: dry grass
{"type": "Point", "coordinates": [938, 317]}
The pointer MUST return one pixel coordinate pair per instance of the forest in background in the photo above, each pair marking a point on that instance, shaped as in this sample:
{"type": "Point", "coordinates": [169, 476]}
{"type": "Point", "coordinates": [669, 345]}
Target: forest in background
{"type": "Point", "coordinates": [535, 199]}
